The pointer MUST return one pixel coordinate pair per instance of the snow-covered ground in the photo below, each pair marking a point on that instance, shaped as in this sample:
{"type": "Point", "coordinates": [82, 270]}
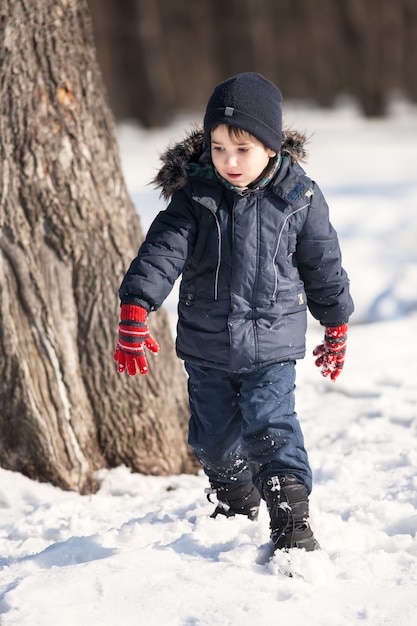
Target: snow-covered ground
{"type": "Point", "coordinates": [144, 551]}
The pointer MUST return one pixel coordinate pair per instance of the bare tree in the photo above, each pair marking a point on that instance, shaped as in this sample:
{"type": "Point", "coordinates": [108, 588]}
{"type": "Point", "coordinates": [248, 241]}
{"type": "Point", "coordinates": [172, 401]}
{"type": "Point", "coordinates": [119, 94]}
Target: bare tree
{"type": "Point", "coordinates": [67, 232]}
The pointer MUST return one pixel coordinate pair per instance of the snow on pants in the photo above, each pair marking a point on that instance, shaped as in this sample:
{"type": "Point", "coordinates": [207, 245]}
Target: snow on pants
{"type": "Point", "coordinates": [243, 426]}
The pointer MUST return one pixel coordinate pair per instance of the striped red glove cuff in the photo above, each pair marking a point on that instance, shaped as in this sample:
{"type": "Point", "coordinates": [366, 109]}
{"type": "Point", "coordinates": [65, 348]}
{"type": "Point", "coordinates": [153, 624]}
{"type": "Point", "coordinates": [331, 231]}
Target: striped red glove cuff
{"type": "Point", "coordinates": [133, 329]}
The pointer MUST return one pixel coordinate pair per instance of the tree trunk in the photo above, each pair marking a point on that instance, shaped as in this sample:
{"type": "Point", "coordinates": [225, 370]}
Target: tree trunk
{"type": "Point", "coordinates": [67, 233]}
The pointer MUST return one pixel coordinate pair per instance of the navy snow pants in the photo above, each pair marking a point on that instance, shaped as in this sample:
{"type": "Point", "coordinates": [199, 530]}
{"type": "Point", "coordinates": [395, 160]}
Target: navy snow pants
{"type": "Point", "coordinates": [243, 427]}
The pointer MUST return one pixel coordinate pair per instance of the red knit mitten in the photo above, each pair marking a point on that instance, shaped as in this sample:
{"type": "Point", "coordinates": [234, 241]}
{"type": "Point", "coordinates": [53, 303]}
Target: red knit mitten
{"type": "Point", "coordinates": [331, 353]}
{"type": "Point", "coordinates": [133, 335]}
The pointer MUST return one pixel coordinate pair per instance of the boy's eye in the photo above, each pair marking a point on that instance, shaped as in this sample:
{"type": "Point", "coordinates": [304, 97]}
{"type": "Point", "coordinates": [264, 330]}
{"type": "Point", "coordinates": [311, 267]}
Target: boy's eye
{"type": "Point", "coordinates": [217, 148]}
{"type": "Point", "coordinates": [243, 149]}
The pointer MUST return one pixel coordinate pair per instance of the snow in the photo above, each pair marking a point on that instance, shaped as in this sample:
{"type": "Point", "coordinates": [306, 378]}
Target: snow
{"type": "Point", "coordinates": [144, 551]}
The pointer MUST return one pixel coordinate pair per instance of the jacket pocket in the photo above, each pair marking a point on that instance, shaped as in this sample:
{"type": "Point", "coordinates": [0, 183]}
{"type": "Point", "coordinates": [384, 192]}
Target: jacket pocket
{"type": "Point", "coordinates": [203, 314]}
{"type": "Point", "coordinates": [292, 301]}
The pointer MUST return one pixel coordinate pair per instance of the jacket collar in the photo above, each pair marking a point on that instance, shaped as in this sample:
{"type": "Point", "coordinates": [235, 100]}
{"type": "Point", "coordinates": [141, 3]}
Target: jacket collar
{"type": "Point", "coordinates": [190, 157]}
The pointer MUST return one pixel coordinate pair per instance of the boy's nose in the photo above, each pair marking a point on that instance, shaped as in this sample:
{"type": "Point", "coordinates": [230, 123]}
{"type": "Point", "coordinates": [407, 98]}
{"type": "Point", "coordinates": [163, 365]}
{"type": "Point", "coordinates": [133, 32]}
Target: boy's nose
{"type": "Point", "coordinates": [231, 161]}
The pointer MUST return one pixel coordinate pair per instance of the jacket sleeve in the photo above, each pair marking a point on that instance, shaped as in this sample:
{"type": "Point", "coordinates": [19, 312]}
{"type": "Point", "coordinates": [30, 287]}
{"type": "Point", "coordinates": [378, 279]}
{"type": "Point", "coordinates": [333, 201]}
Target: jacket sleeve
{"type": "Point", "coordinates": [162, 256]}
{"type": "Point", "coordinates": [320, 265]}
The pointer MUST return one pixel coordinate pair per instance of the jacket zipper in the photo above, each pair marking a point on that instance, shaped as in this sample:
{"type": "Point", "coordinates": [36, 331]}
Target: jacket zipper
{"type": "Point", "coordinates": [277, 248]}
{"type": "Point", "coordinates": [219, 254]}
{"type": "Point", "coordinates": [258, 227]}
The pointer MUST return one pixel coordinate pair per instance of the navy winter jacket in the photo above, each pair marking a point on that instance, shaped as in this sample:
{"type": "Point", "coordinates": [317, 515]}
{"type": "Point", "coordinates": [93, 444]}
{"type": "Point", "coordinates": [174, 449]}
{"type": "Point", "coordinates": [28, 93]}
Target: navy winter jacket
{"type": "Point", "coordinates": [251, 262]}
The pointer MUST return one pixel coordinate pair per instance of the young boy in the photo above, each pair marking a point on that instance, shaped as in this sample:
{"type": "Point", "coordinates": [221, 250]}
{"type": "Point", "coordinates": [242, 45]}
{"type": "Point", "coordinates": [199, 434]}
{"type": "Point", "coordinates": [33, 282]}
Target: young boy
{"type": "Point", "coordinates": [251, 236]}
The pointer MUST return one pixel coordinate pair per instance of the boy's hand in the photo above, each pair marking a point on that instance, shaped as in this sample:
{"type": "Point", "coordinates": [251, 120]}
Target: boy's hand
{"type": "Point", "coordinates": [133, 335]}
{"type": "Point", "coordinates": [331, 353]}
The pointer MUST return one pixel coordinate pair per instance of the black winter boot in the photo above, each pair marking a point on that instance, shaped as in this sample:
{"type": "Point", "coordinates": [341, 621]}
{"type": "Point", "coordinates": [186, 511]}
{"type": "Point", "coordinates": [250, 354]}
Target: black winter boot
{"type": "Point", "coordinates": [287, 502]}
{"type": "Point", "coordinates": [242, 499]}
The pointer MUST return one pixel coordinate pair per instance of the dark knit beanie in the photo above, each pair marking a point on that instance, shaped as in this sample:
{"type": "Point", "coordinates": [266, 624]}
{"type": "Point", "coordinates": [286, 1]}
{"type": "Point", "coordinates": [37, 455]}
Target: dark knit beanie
{"type": "Point", "coordinates": [250, 102]}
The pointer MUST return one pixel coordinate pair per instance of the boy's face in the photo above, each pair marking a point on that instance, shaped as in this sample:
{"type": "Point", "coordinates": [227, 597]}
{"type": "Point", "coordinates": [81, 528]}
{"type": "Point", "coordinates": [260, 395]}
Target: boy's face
{"type": "Point", "coordinates": [239, 159]}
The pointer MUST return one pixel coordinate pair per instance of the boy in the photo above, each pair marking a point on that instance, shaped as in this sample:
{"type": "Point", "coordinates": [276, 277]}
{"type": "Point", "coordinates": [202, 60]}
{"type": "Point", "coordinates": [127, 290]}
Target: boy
{"type": "Point", "coordinates": [251, 236]}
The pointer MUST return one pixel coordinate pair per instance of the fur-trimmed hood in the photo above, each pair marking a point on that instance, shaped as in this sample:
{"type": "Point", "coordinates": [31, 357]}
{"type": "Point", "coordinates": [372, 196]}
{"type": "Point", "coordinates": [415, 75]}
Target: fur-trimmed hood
{"type": "Point", "coordinates": [179, 157]}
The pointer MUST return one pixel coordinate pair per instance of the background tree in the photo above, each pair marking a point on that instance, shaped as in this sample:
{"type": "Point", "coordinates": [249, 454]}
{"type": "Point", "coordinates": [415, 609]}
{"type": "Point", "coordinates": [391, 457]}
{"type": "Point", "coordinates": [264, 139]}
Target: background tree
{"type": "Point", "coordinates": [161, 57]}
{"type": "Point", "coordinates": [67, 233]}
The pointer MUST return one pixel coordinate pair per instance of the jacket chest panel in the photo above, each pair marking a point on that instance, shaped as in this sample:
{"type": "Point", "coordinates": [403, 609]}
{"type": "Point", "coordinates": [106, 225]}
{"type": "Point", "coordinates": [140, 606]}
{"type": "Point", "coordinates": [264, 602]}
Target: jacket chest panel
{"type": "Point", "coordinates": [257, 225]}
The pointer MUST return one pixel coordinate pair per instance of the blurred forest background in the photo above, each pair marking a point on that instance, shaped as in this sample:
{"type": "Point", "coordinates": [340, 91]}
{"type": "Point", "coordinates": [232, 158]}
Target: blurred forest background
{"type": "Point", "coordinates": [160, 57]}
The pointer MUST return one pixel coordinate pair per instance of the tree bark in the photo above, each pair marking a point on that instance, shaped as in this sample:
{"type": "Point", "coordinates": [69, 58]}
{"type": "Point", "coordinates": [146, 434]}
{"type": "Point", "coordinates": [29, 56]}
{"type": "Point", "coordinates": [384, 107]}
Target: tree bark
{"type": "Point", "coordinates": [67, 233]}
